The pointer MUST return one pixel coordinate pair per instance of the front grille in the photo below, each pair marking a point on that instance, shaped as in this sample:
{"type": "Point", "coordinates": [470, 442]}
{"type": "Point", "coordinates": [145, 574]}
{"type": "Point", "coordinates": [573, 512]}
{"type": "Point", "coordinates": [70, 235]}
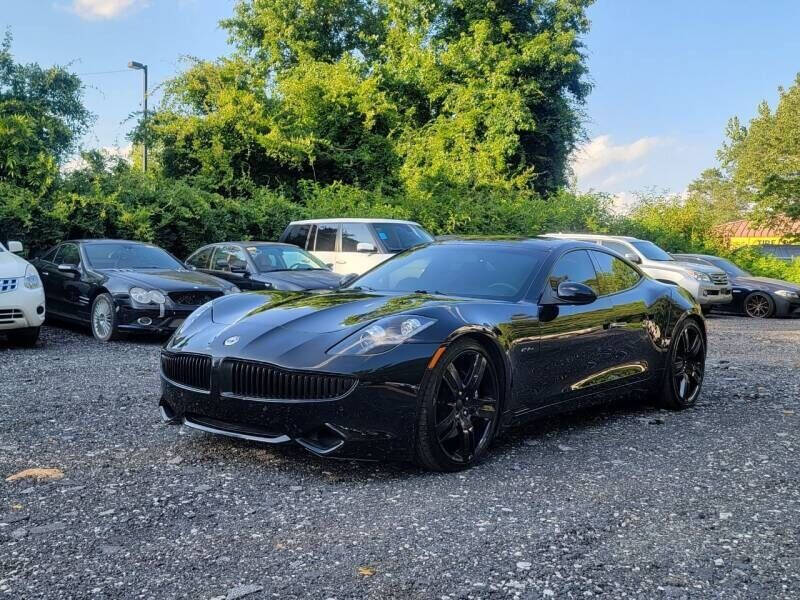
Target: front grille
{"type": "Point", "coordinates": [8, 315]}
{"type": "Point", "coordinates": [193, 370]}
{"type": "Point", "coordinates": [719, 278]}
{"type": "Point", "coordinates": [259, 380]}
{"type": "Point", "coordinates": [8, 285]}
{"type": "Point", "coordinates": [193, 298]}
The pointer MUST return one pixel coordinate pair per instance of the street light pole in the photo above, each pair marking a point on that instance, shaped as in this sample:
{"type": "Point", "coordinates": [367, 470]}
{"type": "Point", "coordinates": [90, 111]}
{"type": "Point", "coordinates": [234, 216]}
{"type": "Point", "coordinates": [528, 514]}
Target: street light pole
{"type": "Point", "coordinates": [139, 66]}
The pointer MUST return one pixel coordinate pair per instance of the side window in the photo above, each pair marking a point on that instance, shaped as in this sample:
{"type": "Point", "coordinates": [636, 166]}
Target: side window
{"type": "Point", "coordinates": [574, 266]}
{"type": "Point", "coordinates": [354, 234]}
{"type": "Point", "coordinates": [51, 254]}
{"type": "Point", "coordinates": [68, 254]}
{"type": "Point", "coordinates": [297, 235]}
{"type": "Point", "coordinates": [201, 259]}
{"type": "Point", "coordinates": [229, 259]}
{"type": "Point", "coordinates": [614, 274]}
{"type": "Point", "coordinates": [326, 237]}
{"type": "Point", "coordinates": [617, 247]}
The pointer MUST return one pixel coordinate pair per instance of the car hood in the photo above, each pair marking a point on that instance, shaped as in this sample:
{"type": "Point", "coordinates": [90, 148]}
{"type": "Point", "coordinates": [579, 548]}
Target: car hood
{"type": "Point", "coordinates": [12, 265]}
{"type": "Point", "coordinates": [168, 281]}
{"type": "Point", "coordinates": [683, 266]}
{"type": "Point", "coordinates": [767, 283]}
{"type": "Point", "coordinates": [307, 280]}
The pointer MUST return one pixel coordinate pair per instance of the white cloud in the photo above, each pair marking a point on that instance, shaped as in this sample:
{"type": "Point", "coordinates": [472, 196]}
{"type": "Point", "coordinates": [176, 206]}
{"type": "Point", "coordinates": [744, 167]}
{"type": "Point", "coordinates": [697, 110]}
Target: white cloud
{"type": "Point", "coordinates": [600, 153]}
{"type": "Point", "coordinates": [77, 162]}
{"type": "Point", "coordinates": [105, 9]}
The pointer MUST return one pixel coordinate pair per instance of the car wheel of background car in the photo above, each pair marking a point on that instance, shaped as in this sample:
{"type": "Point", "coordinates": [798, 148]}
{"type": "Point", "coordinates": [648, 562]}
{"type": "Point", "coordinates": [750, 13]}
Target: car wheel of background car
{"type": "Point", "coordinates": [759, 305]}
{"type": "Point", "coordinates": [26, 337]}
{"type": "Point", "coordinates": [684, 372]}
{"type": "Point", "coordinates": [104, 318]}
{"type": "Point", "coordinates": [459, 409]}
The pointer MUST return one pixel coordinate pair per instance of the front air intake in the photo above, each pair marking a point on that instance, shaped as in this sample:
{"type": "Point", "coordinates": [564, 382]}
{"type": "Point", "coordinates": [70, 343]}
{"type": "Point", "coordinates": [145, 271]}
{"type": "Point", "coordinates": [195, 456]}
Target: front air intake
{"type": "Point", "coordinates": [191, 370]}
{"type": "Point", "coordinates": [248, 379]}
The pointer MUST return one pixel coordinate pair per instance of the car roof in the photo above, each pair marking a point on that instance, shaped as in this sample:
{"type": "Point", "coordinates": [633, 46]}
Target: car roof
{"type": "Point", "coordinates": [244, 244]}
{"type": "Point", "coordinates": [106, 241]}
{"type": "Point", "coordinates": [538, 243]}
{"type": "Point", "coordinates": [592, 236]}
{"type": "Point", "coordinates": [352, 220]}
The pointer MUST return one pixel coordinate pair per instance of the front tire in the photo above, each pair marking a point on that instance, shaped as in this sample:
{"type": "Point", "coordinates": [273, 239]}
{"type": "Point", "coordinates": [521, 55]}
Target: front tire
{"type": "Point", "coordinates": [459, 409]}
{"type": "Point", "coordinates": [759, 305]}
{"type": "Point", "coordinates": [26, 337]}
{"type": "Point", "coordinates": [104, 318]}
{"type": "Point", "coordinates": [683, 377]}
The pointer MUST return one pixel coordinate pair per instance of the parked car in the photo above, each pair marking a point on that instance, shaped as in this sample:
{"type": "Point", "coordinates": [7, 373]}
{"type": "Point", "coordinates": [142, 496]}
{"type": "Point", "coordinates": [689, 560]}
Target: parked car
{"type": "Point", "coordinates": [708, 284]}
{"type": "Point", "coordinates": [354, 245]}
{"type": "Point", "coordinates": [119, 286]}
{"type": "Point", "coordinates": [264, 265]}
{"type": "Point", "coordinates": [22, 303]}
{"type": "Point", "coordinates": [758, 297]}
{"type": "Point", "coordinates": [427, 356]}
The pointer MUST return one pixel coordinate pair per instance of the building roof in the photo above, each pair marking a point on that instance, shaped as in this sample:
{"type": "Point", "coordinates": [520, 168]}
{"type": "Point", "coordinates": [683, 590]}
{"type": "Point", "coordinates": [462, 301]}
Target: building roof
{"type": "Point", "coordinates": [747, 229]}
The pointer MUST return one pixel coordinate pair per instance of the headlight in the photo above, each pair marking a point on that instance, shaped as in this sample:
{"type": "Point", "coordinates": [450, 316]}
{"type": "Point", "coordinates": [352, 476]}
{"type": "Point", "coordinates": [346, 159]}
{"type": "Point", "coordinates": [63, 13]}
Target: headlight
{"type": "Point", "coordinates": [382, 335]}
{"type": "Point", "coordinates": [32, 280]}
{"type": "Point", "coordinates": [143, 296]}
{"type": "Point", "coordinates": [788, 294]}
{"type": "Point", "coordinates": [699, 275]}
{"type": "Point", "coordinates": [233, 290]}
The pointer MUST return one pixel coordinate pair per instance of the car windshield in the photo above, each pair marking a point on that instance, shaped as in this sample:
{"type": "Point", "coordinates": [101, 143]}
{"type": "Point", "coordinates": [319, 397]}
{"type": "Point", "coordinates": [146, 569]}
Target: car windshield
{"type": "Point", "coordinates": [650, 251]}
{"type": "Point", "coordinates": [728, 267]}
{"type": "Point", "coordinates": [129, 256]}
{"type": "Point", "coordinates": [473, 270]}
{"type": "Point", "coordinates": [283, 258]}
{"type": "Point", "coordinates": [401, 236]}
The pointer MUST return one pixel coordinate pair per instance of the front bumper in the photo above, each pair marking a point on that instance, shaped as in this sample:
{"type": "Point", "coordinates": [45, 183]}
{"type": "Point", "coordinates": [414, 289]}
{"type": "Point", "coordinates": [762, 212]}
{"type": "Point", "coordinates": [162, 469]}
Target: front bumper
{"type": "Point", "coordinates": [151, 319]}
{"type": "Point", "coordinates": [375, 420]}
{"type": "Point", "coordinates": [708, 293]}
{"type": "Point", "coordinates": [22, 307]}
{"type": "Point", "coordinates": [785, 307]}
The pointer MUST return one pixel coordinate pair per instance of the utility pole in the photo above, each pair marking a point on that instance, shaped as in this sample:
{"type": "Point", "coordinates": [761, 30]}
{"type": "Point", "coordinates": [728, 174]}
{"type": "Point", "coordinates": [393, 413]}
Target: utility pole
{"type": "Point", "coordinates": [141, 67]}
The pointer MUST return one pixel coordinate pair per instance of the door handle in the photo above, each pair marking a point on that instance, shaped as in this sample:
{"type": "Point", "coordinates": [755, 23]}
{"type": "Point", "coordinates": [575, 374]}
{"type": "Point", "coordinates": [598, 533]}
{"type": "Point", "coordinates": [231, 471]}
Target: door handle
{"type": "Point", "coordinates": [341, 262]}
{"type": "Point", "coordinates": [45, 273]}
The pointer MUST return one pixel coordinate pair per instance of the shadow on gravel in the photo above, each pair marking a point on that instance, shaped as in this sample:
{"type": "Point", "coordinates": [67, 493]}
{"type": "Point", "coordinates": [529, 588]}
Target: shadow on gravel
{"type": "Point", "coordinates": [83, 330]}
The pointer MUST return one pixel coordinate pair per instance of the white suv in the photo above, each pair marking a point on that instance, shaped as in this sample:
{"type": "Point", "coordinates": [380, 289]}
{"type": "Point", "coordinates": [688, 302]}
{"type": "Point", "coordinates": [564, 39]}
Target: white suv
{"type": "Point", "coordinates": [354, 245]}
{"type": "Point", "coordinates": [21, 297]}
{"type": "Point", "coordinates": [709, 285]}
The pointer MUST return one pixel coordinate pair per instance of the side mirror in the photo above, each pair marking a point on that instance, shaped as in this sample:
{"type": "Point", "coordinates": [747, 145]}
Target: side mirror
{"type": "Point", "coordinates": [240, 271]}
{"type": "Point", "coordinates": [575, 293]}
{"type": "Point", "coordinates": [365, 247]}
{"type": "Point", "coordinates": [14, 247]}
{"type": "Point", "coordinates": [329, 265]}
{"type": "Point", "coordinates": [70, 269]}
{"type": "Point", "coordinates": [348, 279]}
{"type": "Point", "coordinates": [634, 258]}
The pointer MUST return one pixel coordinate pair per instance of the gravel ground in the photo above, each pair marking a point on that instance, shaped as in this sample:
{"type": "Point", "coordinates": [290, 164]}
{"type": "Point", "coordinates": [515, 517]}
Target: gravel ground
{"type": "Point", "coordinates": [619, 501]}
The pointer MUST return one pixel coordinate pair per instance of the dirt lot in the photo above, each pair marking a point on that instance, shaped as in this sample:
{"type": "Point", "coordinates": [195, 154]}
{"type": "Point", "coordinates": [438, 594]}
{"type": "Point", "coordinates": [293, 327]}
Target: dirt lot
{"type": "Point", "coordinates": [619, 501]}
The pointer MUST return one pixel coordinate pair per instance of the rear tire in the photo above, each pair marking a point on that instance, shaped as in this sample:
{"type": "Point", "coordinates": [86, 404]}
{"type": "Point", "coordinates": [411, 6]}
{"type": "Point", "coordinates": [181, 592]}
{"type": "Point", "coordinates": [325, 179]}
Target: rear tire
{"type": "Point", "coordinates": [759, 305]}
{"type": "Point", "coordinates": [26, 337]}
{"type": "Point", "coordinates": [459, 409]}
{"type": "Point", "coordinates": [683, 374]}
{"type": "Point", "coordinates": [103, 319]}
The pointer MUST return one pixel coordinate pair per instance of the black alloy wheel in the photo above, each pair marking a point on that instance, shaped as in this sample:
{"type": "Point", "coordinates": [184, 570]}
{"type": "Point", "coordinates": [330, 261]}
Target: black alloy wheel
{"type": "Point", "coordinates": [686, 368]}
{"type": "Point", "coordinates": [460, 409]}
{"type": "Point", "coordinates": [759, 305]}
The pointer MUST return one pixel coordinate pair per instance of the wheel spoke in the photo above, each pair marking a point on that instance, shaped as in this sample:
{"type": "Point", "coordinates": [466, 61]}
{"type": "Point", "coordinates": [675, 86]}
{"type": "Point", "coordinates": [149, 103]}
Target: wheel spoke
{"type": "Point", "coordinates": [684, 385]}
{"type": "Point", "coordinates": [467, 439]}
{"type": "Point", "coordinates": [446, 429]}
{"type": "Point", "coordinates": [474, 377]}
{"type": "Point", "coordinates": [694, 348]}
{"type": "Point", "coordinates": [453, 380]}
{"type": "Point", "coordinates": [486, 408]}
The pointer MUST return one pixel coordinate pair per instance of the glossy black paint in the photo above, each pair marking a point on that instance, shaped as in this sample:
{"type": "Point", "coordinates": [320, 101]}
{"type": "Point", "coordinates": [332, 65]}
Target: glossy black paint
{"type": "Point", "coordinates": [71, 289]}
{"type": "Point", "coordinates": [550, 355]}
{"type": "Point", "coordinates": [250, 278]}
{"type": "Point", "coordinates": [742, 285]}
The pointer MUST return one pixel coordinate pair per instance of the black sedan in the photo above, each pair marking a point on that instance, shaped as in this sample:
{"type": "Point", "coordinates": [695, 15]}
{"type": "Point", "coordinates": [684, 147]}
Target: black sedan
{"type": "Point", "coordinates": [120, 286]}
{"type": "Point", "coordinates": [427, 356]}
{"type": "Point", "coordinates": [264, 266]}
{"type": "Point", "coordinates": [758, 297]}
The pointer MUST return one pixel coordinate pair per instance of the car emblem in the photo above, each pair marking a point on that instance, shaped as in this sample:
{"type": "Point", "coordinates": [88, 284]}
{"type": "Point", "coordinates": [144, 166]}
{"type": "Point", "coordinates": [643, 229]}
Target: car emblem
{"type": "Point", "coordinates": [231, 340]}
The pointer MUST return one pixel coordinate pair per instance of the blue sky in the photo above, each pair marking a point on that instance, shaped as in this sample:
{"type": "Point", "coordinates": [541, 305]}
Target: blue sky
{"type": "Point", "coordinates": [667, 75]}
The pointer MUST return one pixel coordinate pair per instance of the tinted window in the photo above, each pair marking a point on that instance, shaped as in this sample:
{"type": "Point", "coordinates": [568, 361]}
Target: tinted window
{"type": "Point", "coordinates": [229, 259]}
{"type": "Point", "coordinates": [401, 236]}
{"type": "Point", "coordinates": [129, 256]}
{"type": "Point", "coordinates": [201, 260]}
{"type": "Point", "coordinates": [471, 270]}
{"type": "Point", "coordinates": [576, 267]}
{"type": "Point", "coordinates": [282, 258]}
{"type": "Point", "coordinates": [354, 234]}
{"type": "Point", "coordinates": [326, 238]}
{"type": "Point", "coordinates": [50, 255]}
{"type": "Point", "coordinates": [617, 247]}
{"type": "Point", "coordinates": [650, 251]}
{"type": "Point", "coordinates": [727, 266]}
{"type": "Point", "coordinates": [297, 235]}
{"type": "Point", "coordinates": [614, 275]}
{"type": "Point", "coordinates": [68, 254]}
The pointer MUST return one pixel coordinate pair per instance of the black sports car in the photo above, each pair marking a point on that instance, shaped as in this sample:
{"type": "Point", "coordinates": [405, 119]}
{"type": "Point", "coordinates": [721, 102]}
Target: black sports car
{"type": "Point", "coordinates": [428, 355]}
{"type": "Point", "coordinates": [264, 266]}
{"type": "Point", "coordinates": [117, 286]}
{"type": "Point", "coordinates": [759, 297]}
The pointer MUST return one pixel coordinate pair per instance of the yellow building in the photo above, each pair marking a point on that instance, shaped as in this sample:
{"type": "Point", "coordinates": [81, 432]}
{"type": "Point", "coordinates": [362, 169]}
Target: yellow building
{"type": "Point", "coordinates": [736, 234]}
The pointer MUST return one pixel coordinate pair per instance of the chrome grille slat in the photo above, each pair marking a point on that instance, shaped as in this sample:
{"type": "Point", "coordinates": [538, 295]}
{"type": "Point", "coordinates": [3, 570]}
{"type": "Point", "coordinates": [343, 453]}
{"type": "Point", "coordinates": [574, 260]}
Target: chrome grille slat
{"type": "Point", "coordinates": [193, 298]}
{"type": "Point", "coordinates": [192, 370]}
{"type": "Point", "coordinates": [719, 278]}
{"type": "Point", "coordinates": [260, 380]}
{"type": "Point", "coordinates": [9, 315]}
{"type": "Point", "coordinates": [8, 284]}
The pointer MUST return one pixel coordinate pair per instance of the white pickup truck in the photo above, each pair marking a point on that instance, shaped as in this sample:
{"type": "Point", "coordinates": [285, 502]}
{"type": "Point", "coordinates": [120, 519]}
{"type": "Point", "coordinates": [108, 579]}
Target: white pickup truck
{"type": "Point", "coordinates": [22, 307]}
